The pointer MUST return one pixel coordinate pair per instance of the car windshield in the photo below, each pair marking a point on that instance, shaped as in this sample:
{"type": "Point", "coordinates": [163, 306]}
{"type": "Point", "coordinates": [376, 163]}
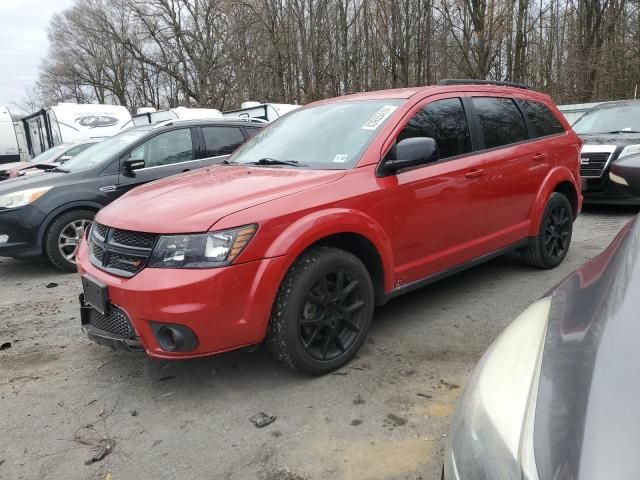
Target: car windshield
{"type": "Point", "coordinates": [48, 155]}
{"type": "Point", "coordinates": [329, 136]}
{"type": "Point", "coordinates": [610, 119]}
{"type": "Point", "coordinates": [104, 151]}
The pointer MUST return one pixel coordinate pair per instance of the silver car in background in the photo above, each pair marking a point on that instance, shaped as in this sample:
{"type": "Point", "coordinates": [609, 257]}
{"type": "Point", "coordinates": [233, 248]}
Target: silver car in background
{"type": "Point", "coordinates": [556, 395]}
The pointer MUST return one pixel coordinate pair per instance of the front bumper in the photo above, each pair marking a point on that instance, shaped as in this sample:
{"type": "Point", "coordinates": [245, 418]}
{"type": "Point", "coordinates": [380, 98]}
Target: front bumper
{"type": "Point", "coordinates": [20, 226]}
{"type": "Point", "coordinates": [604, 191]}
{"type": "Point", "coordinates": [225, 308]}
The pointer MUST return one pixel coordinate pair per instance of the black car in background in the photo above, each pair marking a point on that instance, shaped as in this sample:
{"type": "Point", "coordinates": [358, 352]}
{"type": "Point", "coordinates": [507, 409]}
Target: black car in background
{"type": "Point", "coordinates": [556, 395]}
{"type": "Point", "coordinates": [47, 214]}
{"type": "Point", "coordinates": [610, 132]}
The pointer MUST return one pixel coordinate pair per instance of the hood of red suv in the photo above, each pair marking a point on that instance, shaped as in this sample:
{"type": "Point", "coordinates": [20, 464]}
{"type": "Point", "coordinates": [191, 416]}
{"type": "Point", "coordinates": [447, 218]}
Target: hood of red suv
{"type": "Point", "coordinates": [194, 201]}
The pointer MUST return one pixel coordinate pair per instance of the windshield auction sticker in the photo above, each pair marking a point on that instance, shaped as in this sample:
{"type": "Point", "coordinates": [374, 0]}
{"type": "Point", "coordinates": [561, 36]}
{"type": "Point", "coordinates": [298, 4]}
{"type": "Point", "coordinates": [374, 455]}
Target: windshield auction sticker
{"type": "Point", "coordinates": [380, 116]}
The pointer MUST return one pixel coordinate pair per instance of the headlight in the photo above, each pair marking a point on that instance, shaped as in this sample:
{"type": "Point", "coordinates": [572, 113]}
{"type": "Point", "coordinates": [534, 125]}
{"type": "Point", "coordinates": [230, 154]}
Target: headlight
{"type": "Point", "coordinates": [491, 433]}
{"type": "Point", "coordinates": [203, 250]}
{"type": "Point", "coordinates": [23, 197]}
{"type": "Point", "coordinates": [629, 150]}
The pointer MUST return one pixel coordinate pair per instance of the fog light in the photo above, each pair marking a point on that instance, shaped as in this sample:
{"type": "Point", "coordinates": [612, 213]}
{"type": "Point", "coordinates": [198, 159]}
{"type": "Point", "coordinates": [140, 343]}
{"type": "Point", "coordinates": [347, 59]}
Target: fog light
{"type": "Point", "coordinates": [174, 338]}
{"type": "Point", "coordinates": [4, 238]}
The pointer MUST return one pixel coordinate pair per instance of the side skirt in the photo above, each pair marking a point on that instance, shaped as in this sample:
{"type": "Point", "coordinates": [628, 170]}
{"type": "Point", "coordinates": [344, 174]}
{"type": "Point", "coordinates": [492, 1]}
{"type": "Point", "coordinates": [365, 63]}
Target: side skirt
{"type": "Point", "coordinates": [410, 287]}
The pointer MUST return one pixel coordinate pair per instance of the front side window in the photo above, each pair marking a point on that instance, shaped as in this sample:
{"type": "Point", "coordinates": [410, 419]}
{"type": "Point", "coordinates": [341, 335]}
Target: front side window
{"type": "Point", "coordinates": [102, 153]}
{"type": "Point", "coordinates": [221, 140]}
{"type": "Point", "coordinates": [444, 121]}
{"type": "Point", "coordinates": [500, 121]}
{"type": "Point", "coordinates": [328, 136]}
{"type": "Point", "coordinates": [165, 149]}
{"type": "Point", "coordinates": [541, 118]}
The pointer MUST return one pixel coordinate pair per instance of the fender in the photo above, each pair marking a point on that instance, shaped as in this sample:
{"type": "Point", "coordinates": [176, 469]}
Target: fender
{"type": "Point", "coordinates": [323, 223]}
{"type": "Point", "coordinates": [556, 176]}
{"type": "Point", "coordinates": [61, 209]}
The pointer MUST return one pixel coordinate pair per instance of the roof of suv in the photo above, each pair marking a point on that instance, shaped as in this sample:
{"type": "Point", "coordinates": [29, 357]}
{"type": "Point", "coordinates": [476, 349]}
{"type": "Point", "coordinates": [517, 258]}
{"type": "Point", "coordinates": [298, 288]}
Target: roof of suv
{"type": "Point", "coordinates": [199, 122]}
{"type": "Point", "coordinates": [404, 93]}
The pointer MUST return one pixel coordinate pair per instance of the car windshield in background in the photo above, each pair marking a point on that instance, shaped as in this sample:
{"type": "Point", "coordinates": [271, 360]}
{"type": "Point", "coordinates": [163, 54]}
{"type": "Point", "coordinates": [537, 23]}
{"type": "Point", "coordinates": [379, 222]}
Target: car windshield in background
{"type": "Point", "coordinates": [609, 119]}
{"type": "Point", "coordinates": [46, 156]}
{"type": "Point", "coordinates": [103, 152]}
{"type": "Point", "coordinates": [330, 136]}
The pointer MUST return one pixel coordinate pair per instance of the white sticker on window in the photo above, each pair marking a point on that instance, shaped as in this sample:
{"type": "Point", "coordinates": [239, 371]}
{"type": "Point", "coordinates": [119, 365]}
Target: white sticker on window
{"type": "Point", "coordinates": [380, 116]}
{"type": "Point", "coordinates": [341, 158]}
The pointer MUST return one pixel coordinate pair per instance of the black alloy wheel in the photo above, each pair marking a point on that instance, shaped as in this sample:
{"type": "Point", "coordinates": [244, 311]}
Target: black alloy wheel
{"type": "Point", "coordinates": [332, 315]}
{"type": "Point", "coordinates": [550, 246]}
{"type": "Point", "coordinates": [557, 233]}
{"type": "Point", "coordinates": [322, 312]}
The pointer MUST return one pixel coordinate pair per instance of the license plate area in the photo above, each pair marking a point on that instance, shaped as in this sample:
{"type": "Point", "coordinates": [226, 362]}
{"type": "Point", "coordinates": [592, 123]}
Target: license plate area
{"type": "Point", "coordinates": [96, 294]}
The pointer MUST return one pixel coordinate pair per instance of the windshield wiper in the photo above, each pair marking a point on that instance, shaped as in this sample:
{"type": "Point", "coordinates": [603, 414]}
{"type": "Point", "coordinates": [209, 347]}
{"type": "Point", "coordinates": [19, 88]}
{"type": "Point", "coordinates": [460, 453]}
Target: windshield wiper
{"type": "Point", "coordinates": [227, 162]}
{"type": "Point", "coordinates": [618, 131]}
{"type": "Point", "coordinates": [58, 170]}
{"type": "Point", "coordinates": [273, 161]}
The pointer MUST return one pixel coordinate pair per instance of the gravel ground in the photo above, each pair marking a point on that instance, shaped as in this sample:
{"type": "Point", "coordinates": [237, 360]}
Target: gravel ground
{"type": "Point", "coordinates": [66, 402]}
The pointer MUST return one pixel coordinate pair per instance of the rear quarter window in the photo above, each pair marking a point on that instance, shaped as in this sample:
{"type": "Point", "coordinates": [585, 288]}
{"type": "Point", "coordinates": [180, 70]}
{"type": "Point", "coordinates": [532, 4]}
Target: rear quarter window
{"type": "Point", "coordinates": [541, 118]}
{"type": "Point", "coordinates": [501, 122]}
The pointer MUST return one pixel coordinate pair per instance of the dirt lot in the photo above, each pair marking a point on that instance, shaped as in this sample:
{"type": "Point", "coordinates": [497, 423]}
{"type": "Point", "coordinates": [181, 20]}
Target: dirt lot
{"type": "Point", "coordinates": [64, 400]}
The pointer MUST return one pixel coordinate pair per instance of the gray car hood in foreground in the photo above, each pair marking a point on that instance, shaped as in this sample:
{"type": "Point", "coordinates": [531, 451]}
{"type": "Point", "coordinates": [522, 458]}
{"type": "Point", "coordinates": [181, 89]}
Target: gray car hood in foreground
{"type": "Point", "coordinates": [587, 423]}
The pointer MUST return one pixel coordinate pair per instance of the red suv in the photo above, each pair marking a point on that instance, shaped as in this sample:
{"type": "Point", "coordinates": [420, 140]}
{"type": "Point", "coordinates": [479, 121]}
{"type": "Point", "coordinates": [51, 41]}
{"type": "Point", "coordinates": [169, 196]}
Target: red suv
{"type": "Point", "coordinates": [334, 208]}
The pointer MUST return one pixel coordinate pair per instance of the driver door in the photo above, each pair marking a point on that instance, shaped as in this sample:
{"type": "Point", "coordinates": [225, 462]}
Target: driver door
{"type": "Point", "coordinates": [168, 153]}
{"type": "Point", "coordinates": [441, 206]}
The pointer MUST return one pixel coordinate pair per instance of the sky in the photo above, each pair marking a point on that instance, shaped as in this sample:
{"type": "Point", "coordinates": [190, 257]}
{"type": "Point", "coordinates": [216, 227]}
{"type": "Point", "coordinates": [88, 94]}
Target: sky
{"type": "Point", "coordinates": [23, 42]}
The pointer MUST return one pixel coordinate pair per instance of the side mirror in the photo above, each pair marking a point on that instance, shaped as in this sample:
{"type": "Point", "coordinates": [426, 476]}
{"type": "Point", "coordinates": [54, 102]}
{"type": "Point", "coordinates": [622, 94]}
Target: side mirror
{"type": "Point", "coordinates": [411, 152]}
{"type": "Point", "coordinates": [65, 158]}
{"type": "Point", "coordinates": [133, 164]}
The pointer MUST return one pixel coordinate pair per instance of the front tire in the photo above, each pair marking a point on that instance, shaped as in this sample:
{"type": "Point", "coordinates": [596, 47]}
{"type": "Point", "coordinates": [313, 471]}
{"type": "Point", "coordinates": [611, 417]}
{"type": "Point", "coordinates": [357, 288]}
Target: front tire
{"type": "Point", "coordinates": [63, 236]}
{"type": "Point", "coordinates": [322, 312]}
{"type": "Point", "coordinates": [549, 248]}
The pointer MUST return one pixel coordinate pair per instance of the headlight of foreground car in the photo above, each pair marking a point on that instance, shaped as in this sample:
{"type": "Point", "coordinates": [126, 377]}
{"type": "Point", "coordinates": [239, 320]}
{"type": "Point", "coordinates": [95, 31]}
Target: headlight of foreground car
{"type": "Point", "coordinates": [203, 250]}
{"type": "Point", "coordinates": [492, 430]}
{"type": "Point", "coordinates": [23, 197]}
{"type": "Point", "coordinates": [629, 150]}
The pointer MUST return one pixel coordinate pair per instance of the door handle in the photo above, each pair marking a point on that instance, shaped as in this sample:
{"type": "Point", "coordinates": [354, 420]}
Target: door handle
{"type": "Point", "coordinates": [539, 157]}
{"type": "Point", "coordinates": [475, 173]}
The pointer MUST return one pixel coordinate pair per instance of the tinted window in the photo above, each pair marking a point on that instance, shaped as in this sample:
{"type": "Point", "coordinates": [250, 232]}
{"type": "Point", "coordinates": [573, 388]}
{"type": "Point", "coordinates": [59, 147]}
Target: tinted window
{"type": "Point", "coordinates": [222, 140]}
{"type": "Point", "coordinates": [251, 131]}
{"type": "Point", "coordinates": [500, 121]}
{"type": "Point", "coordinates": [165, 149]}
{"type": "Point", "coordinates": [444, 121]}
{"type": "Point", "coordinates": [541, 119]}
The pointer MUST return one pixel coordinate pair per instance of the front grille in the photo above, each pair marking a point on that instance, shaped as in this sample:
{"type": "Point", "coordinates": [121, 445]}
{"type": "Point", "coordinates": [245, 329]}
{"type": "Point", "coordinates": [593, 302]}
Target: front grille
{"type": "Point", "coordinates": [101, 230]}
{"type": "Point", "coordinates": [115, 322]}
{"type": "Point", "coordinates": [134, 239]}
{"type": "Point", "coordinates": [120, 252]}
{"type": "Point", "coordinates": [592, 164]}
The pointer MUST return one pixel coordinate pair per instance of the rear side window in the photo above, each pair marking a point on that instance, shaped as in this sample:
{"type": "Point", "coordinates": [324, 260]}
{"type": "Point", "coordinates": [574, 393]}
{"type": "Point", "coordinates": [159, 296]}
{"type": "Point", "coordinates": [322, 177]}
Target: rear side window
{"type": "Point", "coordinates": [500, 121]}
{"type": "Point", "coordinates": [221, 140]}
{"type": "Point", "coordinates": [541, 118]}
{"type": "Point", "coordinates": [445, 122]}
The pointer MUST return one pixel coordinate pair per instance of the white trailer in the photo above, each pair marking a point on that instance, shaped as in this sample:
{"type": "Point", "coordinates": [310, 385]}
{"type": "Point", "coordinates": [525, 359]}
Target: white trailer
{"type": "Point", "coordinates": [150, 116]}
{"type": "Point", "coordinates": [262, 111]}
{"type": "Point", "coordinates": [70, 122]}
{"type": "Point", "coordinates": [9, 149]}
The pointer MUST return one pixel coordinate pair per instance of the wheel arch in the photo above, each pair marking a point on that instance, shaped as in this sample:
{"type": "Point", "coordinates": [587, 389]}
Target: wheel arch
{"type": "Point", "coordinates": [349, 230]}
{"type": "Point", "coordinates": [558, 180]}
{"type": "Point", "coordinates": [62, 209]}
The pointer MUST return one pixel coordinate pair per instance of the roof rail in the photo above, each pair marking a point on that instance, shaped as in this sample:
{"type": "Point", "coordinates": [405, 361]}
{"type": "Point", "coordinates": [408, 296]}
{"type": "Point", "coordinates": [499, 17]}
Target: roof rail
{"type": "Point", "coordinates": [172, 121]}
{"type": "Point", "coordinates": [468, 81]}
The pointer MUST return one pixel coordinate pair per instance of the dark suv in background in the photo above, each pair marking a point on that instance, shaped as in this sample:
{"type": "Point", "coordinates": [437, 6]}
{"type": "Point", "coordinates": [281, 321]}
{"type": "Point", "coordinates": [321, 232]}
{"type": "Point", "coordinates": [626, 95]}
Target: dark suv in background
{"type": "Point", "coordinates": [610, 132]}
{"type": "Point", "coordinates": [48, 213]}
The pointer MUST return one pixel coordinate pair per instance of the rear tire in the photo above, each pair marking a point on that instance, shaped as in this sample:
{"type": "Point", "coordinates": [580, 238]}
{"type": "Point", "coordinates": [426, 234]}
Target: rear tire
{"type": "Point", "coordinates": [322, 312]}
{"type": "Point", "coordinates": [63, 236]}
{"type": "Point", "coordinates": [550, 247]}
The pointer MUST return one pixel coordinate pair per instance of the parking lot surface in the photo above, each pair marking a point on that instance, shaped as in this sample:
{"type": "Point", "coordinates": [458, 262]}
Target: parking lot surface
{"type": "Point", "coordinates": [71, 409]}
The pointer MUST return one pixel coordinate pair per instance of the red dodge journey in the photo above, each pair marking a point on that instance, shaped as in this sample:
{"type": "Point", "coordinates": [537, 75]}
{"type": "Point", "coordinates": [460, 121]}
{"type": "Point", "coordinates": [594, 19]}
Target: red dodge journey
{"type": "Point", "coordinates": [333, 209]}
